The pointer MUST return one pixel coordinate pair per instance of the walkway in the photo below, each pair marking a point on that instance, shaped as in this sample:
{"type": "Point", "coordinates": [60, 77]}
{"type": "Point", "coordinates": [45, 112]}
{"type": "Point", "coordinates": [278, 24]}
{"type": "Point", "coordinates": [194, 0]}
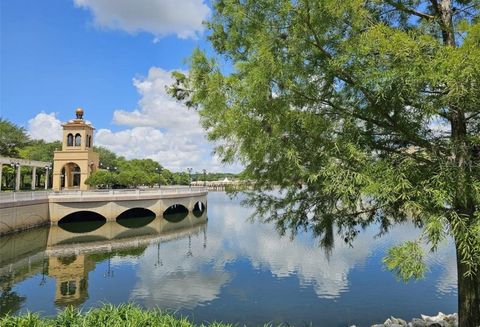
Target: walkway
{"type": "Point", "coordinates": [17, 164]}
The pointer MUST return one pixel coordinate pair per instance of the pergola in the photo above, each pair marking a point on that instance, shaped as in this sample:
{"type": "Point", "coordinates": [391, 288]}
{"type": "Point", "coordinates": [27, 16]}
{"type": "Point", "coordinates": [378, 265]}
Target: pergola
{"type": "Point", "coordinates": [17, 163]}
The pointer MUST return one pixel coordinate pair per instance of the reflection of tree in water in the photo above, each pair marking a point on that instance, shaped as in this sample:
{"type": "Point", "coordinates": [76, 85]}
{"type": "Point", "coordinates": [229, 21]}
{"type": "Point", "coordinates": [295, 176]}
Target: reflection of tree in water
{"type": "Point", "coordinates": [10, 302]}
{"type": "Point", "coordinates": [302, 209]}
{"type": "Point", "coordinates": [66, 260]}
{"type": "Point", "coordinates": [132, 252]}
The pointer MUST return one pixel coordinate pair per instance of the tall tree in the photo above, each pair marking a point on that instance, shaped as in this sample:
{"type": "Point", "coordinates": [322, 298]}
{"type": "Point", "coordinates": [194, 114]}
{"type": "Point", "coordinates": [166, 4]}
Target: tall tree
{"type": "Point", "coordinates": [107, 157]}
{"type": "Point", "coordinates": [361, 111]}
{"type": "Point", "coordinates": [12, 137]}
{"type": "Point", "coordinates": [40, 150]}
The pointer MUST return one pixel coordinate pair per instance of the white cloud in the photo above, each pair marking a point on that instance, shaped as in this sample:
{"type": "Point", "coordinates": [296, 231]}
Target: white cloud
{"type": "Point", "coordinates": [158, 17]}
{"type": "Point", "coordinates": [157, 108]}
{"type": "Point", "coordinates": [45, 127]}
{"type": "Point", "coordinates": [161, 129]}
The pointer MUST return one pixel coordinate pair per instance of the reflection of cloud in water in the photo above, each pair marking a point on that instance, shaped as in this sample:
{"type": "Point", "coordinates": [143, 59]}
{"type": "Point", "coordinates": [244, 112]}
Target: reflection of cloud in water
{"type": "Point", "coordinates": [172, 277]}
{"type": "Point", "coordinates": [188, 281]}
{"type": "Point", "coordinates": [446, 259]}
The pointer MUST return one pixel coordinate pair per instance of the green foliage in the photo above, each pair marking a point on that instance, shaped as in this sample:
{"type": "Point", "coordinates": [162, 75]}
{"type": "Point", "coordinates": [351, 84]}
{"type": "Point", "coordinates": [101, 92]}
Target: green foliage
{"type": "Point", "coordinates": [407, 260]}
{"type": "Point", "coordinates": [107, 157]}
{"type": "Point", "coordinates": [134, 173]}
{"type": "Point", "coordinates": [101, 179]}
{"type": "Point", "coordinates": [40, 150]}
{"type": "Point", "coordinates": [108, 316]}
{"type": "Point", "coordinates": [12, 137]}
{"type": "Point", "coordinates": [360, 112]}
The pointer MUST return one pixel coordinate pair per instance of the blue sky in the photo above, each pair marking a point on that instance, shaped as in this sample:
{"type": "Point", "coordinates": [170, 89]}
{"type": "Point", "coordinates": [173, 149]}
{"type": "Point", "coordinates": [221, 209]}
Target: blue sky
{"type": "Point", "coordinates": [112, 58]}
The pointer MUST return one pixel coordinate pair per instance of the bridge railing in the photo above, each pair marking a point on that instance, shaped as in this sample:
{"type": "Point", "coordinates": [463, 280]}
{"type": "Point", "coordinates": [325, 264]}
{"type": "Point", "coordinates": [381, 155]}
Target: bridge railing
{"type": "Point", "coordinates": [40, 195]}
{"type": "Point", "coordinates": [23, 196]}
{"type": "Point", "coordinates": [167, 190]}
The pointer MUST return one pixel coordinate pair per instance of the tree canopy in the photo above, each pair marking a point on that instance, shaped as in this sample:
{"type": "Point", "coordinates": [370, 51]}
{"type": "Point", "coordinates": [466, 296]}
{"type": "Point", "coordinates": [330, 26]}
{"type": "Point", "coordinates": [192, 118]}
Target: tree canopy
{"type": "Point", "coordinates": [40, 150]}
{"type": "Point", "coordinates": [360, 111]}
{"type": "Point", "coordinates": [12, 137]}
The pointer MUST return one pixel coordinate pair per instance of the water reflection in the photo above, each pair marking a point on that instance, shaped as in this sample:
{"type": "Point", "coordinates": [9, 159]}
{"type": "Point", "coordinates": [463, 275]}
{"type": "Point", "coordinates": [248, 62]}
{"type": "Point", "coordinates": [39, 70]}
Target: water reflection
{"type": "Point", "coordinates": [136, 218]}
{"type": "Point", "coordinates": [69, 252]}
{"type": "Point", "coordinates": [71, 276]}
{"type": "Point", "coordinates": [175, 213]}
{"type": "Point", "coordinates": [234, 271]}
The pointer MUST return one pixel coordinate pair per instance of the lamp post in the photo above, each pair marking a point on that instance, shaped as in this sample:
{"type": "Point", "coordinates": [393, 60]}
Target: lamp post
{"type": "Point", "coordinates": [159, 171]}
{"type": "Point", "coordinates": [16, 179]}
{"type": "Point", "coordinates": [47, 169]}
{"type": "Point", "coordinates": [190, 176]}
{"type": "Point", "coordinates": [112, 169]}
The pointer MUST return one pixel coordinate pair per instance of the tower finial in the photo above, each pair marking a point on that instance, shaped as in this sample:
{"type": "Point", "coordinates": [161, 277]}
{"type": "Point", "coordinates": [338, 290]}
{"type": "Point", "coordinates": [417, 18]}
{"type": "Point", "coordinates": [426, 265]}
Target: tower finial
{"type": "Point", "coordinates": [79, 113]}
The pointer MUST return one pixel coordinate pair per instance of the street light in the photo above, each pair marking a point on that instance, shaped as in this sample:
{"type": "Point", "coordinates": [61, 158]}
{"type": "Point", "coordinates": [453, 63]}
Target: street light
{"type": "Point", "coordinates": [159, 171]}
{"type": "Point", "coordinates": [190, 176]}
{"type": "Point", "coordinates": [111, 169]}
{"type": "Point", "coordinates": [15, 166]}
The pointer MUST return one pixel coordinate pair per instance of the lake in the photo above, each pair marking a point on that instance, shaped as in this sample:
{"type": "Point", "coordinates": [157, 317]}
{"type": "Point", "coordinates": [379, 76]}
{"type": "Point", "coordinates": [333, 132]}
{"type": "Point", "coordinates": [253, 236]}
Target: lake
{"type": "Point", "coordinates": [220, 266]}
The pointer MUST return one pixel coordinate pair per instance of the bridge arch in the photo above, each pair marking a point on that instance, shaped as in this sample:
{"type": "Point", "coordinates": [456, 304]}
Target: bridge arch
{"type": "Point", "coordinates": [198, 209]}
{"type": "Point", "coordinates": [136, 217]}
{"type": "Point", "coordinates": [82, 221]}
{"type": "Point", "coordinates": [175, 213]}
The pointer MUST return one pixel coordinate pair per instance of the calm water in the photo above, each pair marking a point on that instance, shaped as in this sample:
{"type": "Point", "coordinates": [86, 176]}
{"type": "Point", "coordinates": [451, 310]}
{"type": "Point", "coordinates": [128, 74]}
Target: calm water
{"type": "Point", "coordinates": [225, 269]}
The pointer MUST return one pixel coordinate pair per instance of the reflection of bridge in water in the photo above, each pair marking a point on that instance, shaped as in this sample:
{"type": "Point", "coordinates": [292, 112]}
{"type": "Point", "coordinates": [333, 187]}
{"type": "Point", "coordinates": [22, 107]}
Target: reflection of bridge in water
{"type": "Point", "coordinates": [68, 256]}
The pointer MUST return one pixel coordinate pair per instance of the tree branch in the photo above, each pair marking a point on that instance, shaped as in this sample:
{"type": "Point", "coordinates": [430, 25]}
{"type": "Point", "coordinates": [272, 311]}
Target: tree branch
{"type": "Point", "coordinates": [400, 6]}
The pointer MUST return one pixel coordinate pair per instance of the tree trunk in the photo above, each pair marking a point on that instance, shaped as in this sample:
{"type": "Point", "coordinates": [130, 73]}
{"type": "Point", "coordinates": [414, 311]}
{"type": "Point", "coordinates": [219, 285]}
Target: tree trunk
{"type": "Point", "coordinates": [468, 295]}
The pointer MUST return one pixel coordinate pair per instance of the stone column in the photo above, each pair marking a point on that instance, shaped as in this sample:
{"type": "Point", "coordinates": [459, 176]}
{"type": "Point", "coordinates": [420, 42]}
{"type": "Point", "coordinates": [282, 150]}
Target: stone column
{"type": "Point", "coordinates": [34, 178]}
{"type": "Point", "coordinates": [1, 170]}
{"type": "Point", "coordinates": [17, 180]}
{"type": "Point", "coordinates": [46, 178]}
{"type": "Point", "coordinates": [67, 177]}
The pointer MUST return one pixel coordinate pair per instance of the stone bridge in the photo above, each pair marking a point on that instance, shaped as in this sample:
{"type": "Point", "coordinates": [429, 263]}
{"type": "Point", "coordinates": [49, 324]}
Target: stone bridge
{"type": "Point", "coordinates": [23, 210]}
{"type": "Point", "coordinates": [112, 203]}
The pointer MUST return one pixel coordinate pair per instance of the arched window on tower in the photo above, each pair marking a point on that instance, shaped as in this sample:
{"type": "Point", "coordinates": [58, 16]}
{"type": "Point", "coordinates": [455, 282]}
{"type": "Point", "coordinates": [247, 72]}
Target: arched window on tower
{"type": "Point", "coordinates": [89, 141]}
{"type": "Point", "coordinates": [70, 140]}
{"type": "Point", "coordinates": [78, 140]}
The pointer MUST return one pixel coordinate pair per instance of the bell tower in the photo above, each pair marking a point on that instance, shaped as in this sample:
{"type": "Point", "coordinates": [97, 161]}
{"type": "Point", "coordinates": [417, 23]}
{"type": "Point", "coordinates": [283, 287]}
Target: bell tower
{"type": "Point", "coordinates": [76, 161]}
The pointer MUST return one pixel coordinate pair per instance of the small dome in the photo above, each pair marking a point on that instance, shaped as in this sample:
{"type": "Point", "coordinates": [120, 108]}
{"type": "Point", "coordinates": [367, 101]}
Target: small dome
{"type": "Point", "coordinates": [79, 113]}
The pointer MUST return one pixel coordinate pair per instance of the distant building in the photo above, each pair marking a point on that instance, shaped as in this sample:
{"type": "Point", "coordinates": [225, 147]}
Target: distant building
{"type": "Point", "coordinates": [76, 161]}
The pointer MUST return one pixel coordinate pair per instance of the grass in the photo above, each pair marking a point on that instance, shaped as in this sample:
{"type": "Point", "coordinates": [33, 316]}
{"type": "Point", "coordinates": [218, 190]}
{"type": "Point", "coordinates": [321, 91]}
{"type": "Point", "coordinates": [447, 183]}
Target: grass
{"type": "Point", "coordinates": [108, 315]}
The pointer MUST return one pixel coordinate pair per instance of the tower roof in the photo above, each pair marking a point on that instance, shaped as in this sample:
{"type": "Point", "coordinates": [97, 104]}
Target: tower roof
{"type": "Point", "coordinates": [78, 121]}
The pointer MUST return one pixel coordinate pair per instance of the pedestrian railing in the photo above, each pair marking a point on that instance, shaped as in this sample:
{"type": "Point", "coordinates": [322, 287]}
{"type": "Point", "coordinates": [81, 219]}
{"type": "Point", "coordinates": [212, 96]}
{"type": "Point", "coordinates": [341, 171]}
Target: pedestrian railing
{"type": "Point", "coordinates": [164, 190]}
{"type": "Point", "coordinates": [23, 196]}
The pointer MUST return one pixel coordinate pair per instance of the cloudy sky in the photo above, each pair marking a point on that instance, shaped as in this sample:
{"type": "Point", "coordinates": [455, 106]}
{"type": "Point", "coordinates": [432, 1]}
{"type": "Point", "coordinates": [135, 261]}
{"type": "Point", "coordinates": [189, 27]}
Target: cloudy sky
{"type": "Point", "coordinates": [113, 58]}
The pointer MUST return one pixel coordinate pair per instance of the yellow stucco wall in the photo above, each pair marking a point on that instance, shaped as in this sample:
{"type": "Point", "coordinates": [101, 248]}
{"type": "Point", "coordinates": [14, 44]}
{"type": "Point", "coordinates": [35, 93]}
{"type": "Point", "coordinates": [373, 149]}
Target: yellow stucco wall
{"type": "Point", "coordinates": [82, 155]}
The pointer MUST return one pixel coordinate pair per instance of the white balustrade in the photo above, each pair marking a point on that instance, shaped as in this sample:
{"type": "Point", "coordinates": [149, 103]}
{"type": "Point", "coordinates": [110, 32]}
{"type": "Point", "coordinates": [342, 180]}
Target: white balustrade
{"type": "Point", "coordinates": [164, 190]}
